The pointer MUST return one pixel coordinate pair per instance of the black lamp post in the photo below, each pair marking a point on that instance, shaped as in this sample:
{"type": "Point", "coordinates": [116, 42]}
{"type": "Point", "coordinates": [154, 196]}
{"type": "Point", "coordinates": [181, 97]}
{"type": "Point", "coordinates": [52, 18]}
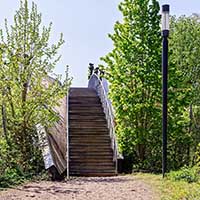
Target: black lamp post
{"type": "Point", "coordinates": [165, 34]}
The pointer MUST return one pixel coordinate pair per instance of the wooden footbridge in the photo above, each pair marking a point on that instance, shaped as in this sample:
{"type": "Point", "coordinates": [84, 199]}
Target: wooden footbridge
{"type": "Point", "coordinates": [83, 142]}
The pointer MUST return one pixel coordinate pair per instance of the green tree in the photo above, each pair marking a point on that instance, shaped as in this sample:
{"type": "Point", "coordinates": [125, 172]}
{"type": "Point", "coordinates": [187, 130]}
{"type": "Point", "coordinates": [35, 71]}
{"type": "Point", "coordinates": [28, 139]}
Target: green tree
{"type": "Point", "coordinates": [185, 50]}
{"type": "Point", "coordinates": [28, 93]}
{"type": "Point", "coordinates": [134, 72]}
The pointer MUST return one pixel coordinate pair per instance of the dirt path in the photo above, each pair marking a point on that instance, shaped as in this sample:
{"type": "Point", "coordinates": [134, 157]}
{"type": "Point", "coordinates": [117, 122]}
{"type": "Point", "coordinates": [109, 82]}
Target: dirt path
{"type": "Point", "coordinates": [101, 188]}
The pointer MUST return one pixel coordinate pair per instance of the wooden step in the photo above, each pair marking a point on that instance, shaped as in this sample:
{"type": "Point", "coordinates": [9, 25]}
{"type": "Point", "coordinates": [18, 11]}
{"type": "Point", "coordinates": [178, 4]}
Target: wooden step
{"type": "Point", "coordinates": [92, 163]}
{"type": "Point", "coordinates": [93, 170]}
{"type": "Point", "coordinates": [93, 173]}
{"type": "Point", "coordinates": [85, 134]}
{"type": "Point", "coordinates": [90, 145]}
{"type": "Point", "coordinates": [83, 127]}
{"type": "Point", "coordinates": [82, 93]}
{"type": "Point", "coordinates": [88, 129]}
{"type": "Point", "coordinates": [86, 112]}
{"type": "Point", "coordinates": [85, 105]}
{"type": "Point", "coordinates": [87, 174]}
{"type": "Point", "coordinates": [90, 167]}
{"type": "Point", "coordinates": [89, 149]}
{"type": "Point", "coordinates": [82, 150]}
{"type": "Point", "coordinates": [86, 143]}
{"type": "Point", "coordinates": [87, 125]}
{"type": "Point", "coordinates": [82, 101]}
{"type": "Point", "coordinates": [87, 122]}
{"type": "Point", "coordinates": [87, 118]}
{"type": "Point", "coordinates": [90, 153]}
{"type": "Point", "coordinates": [83, 114]}
{"type": "Point", "coordinates": [87, 158]}
{"type": "Point", "coordinates": [98, 137]}
{"type": "Point", "coordinates": [88, 107]}
{"type": "Point", "coordinates": [90, 139]}
{"type": "Point", "coordinates": [91, 159]}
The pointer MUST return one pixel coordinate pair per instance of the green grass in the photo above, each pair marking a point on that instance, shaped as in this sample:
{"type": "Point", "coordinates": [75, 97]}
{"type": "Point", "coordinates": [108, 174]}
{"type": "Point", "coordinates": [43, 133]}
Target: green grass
{"type": "Point", "coordinates": [12, 178]}
{"type": "Point", "coordinates": [168, 189]}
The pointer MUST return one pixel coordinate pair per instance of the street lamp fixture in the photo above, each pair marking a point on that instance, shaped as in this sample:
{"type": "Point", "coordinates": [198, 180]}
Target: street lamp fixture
{"type": "Point", "coordinates": [165, 18]}
{"type": "Point", "coordinates": [165, 34]}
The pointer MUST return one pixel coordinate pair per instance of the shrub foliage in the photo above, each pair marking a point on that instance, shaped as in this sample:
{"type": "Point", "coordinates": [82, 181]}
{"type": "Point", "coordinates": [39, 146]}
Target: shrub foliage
{"type": "Point", "coordinates": [26, 61]}
{"type": "Point", "coordinates": [133, 69]}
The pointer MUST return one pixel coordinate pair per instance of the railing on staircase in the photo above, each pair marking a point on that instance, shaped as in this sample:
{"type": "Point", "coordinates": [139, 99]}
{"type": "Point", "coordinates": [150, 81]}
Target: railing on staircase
{"type": "Point", "coordinates": [101, 87]}
{"type": "Point", "coordinates": [67, 132]}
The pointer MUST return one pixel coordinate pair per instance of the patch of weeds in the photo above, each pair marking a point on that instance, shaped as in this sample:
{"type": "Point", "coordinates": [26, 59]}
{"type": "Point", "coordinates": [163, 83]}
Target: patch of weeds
{"type": "Point", "coordinates": [171, 189]}
{"type": "Point", "coordinates": [190, 175]}
{"type": "Point", "coordinates": [11, 177]}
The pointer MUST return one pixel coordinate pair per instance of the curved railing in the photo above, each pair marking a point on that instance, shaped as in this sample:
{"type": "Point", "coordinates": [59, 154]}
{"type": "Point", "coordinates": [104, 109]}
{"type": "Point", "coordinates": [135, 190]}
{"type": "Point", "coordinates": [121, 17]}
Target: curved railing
{"type": "Point", "coordinates": [67, 132]}
{"type": "Point", "coordinates": [97, 84]}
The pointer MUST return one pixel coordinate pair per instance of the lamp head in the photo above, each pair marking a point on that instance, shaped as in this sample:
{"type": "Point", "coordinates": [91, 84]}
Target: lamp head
{"type": "Point", "coordinates": [165, 20]}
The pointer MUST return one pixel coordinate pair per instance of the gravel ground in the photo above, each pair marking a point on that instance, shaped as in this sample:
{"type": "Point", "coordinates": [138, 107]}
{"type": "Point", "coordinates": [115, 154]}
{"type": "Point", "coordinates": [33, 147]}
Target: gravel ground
{"type": "Point", "coordinates": [95, 188]}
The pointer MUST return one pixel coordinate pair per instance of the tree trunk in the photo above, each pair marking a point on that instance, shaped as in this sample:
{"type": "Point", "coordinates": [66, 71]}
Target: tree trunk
{"type": "Point", "coordinates": [190, 131]}
{"type": "Point", "coordinates": [4, 121]}
{"type": "Point", "coordinates": [141, 151]}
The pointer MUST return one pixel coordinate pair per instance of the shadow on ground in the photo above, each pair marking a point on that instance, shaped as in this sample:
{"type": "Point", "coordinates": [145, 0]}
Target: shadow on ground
{"type": "Point", "coordinates": [64, 185]}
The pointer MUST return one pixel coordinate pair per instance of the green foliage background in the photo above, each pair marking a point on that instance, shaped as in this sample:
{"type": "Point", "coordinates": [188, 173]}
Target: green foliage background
{"type": "Point", "coordinates": [133, 69]}
{"type": "Point", "coordinates": [28, 94]}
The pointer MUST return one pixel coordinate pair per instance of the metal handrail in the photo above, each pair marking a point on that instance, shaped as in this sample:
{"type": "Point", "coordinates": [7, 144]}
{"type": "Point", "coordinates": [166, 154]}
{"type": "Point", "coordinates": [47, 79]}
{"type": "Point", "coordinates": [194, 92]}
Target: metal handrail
{"type": "Point", "coordinates": [96, 83]}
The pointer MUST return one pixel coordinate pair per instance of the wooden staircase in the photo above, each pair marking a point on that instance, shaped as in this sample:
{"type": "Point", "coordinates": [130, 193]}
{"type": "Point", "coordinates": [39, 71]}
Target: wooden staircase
{"type": "Point", "coordinates": [90, 152]}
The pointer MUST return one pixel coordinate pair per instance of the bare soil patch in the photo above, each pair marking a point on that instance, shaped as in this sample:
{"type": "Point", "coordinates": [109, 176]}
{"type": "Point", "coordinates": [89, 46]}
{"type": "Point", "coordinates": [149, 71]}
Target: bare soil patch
{"type": "Point", "coordinates": [83, 188]}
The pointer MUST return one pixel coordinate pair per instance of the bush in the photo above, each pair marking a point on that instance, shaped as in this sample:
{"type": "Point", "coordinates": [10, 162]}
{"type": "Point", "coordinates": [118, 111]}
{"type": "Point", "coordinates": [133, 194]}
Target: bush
{"type": "Point", "coordinates": [11, 177]}
{"type": "Point", "coordinates": [197, 154]}
{"type": "Point", "coordinates": [186, 174]}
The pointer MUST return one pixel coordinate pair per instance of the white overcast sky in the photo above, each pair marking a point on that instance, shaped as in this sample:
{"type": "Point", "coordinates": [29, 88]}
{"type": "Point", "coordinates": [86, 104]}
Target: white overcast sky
{"type": "Point", "coordinates": [85, 25]}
